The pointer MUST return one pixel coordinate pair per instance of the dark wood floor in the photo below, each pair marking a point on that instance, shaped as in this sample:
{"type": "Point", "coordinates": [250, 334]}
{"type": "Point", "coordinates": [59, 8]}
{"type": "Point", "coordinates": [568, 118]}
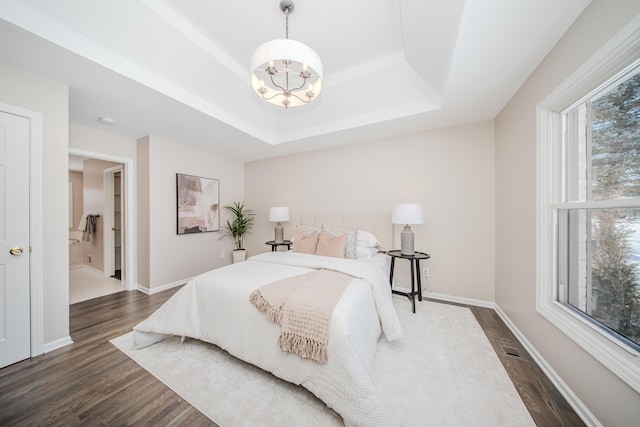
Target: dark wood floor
{"type": "Point", "coordinates": [92, 383]}
{"type": "Point", "coordinates": [544, 402]}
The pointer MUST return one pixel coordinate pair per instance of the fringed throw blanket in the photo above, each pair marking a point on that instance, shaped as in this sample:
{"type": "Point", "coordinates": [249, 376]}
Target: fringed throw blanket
{"type": "Point", "coordinates": [302, 306]}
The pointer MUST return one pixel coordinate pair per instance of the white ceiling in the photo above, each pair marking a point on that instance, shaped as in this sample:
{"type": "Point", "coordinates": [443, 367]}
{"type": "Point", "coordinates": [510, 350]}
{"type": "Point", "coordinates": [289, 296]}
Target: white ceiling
{"type": "Point", "coordinates": [179, 69]}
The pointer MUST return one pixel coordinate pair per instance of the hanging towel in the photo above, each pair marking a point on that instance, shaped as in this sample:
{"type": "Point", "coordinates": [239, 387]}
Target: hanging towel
{"type": "Point", "coordinates": [83, 223]}
{"type": "Point", "coordinates": [90, 229]}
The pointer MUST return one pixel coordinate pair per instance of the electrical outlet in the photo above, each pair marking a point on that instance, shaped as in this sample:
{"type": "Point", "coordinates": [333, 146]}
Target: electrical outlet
{"type": "Point", "coordinates": [425, 272]}
{"type": "Point", "coordinates": [222, 254]}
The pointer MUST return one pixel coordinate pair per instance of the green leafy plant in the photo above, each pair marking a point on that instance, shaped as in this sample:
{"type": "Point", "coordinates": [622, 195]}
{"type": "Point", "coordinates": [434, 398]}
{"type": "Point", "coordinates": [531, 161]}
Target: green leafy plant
{"type": "Point", "coordinates": [240, 223]}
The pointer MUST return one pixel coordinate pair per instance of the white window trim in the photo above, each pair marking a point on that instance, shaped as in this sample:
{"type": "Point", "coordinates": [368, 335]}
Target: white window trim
{"type": "Point", "coordinates": [614, 58]}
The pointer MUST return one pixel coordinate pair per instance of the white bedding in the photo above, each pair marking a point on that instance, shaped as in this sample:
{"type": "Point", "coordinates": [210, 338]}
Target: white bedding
{"type": "Point", "coordinates": [215, 307]}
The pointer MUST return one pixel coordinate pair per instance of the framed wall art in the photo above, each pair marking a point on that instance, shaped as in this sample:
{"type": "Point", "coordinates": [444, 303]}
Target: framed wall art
{"type": "Point", "coordinates": [198, 204]}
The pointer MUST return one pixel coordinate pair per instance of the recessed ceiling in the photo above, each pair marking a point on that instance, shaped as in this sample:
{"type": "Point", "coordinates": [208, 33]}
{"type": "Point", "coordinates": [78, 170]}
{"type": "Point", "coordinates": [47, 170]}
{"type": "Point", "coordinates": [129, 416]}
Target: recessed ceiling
{"type": "Point", "coordinates": [180, 69]}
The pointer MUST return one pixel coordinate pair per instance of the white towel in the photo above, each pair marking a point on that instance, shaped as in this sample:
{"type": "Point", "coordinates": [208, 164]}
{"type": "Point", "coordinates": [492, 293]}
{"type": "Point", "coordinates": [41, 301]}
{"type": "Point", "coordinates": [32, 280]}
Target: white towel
{"type": "Point", "coordinates": [83, 223]}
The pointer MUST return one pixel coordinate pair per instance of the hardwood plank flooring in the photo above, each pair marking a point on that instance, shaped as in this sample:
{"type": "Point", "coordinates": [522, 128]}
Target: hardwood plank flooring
{"type": "Point", "coordinates": [545, 403]}
{"type": "Point", "coordinates": [92, 383]}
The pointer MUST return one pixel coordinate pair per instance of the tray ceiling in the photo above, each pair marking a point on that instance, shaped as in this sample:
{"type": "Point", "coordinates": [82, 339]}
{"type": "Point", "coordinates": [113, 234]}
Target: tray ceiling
{"type": "Point", "coordinates": [180, 69]}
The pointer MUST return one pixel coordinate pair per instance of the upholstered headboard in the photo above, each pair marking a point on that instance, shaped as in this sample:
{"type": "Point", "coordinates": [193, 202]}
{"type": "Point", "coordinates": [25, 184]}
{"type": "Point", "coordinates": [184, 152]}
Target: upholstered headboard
{"type": "Point", "coordinates": [378, 224]}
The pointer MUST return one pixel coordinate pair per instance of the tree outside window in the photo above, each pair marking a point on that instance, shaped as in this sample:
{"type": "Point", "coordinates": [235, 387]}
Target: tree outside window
{"type": "Point", "coordinates": [599, 232]}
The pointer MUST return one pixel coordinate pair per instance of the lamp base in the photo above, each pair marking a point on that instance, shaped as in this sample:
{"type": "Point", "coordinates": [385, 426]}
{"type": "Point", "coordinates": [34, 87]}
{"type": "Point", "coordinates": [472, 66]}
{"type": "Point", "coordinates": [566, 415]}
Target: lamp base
{"type": "Point", "coordinates": [406, 241]}
{"type": "Point", "coordinates": [279, 233]}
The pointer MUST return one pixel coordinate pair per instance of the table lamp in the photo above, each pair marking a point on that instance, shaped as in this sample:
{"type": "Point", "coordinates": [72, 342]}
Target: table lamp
{"type": "Point", "coordinates": [277, 215]}
{"type": "Point", "coordinates": [407, 213]}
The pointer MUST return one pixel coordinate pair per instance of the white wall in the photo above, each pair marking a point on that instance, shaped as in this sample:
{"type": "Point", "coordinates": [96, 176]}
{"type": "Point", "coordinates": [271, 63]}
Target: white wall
{"type": "Point", "coordinates": [30, 91]}
{"type": "Point", "coordinates": [606, 396]}
{"type": "Point", "coordinates": [173, 257]}
{"type": "Point", "coordinates": [104, 142]}
{"type": "Point", "coordinates": [164, 258]}
{"type": "Point", "coordinates": [450, 171]}
{"type": "Point", "coordinates": [75, 178]}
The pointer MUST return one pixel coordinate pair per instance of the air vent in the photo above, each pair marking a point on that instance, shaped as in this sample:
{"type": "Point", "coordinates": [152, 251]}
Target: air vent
{"type": "Point", "coordinates": [512, 352]}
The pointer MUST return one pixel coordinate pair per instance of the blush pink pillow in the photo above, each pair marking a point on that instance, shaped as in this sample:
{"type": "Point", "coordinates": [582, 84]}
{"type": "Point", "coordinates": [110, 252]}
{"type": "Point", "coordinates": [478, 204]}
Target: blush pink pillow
{"type": "Point", "coordinates": [329, 245]}
{"type": "Point", "coordinates": [305, 243]}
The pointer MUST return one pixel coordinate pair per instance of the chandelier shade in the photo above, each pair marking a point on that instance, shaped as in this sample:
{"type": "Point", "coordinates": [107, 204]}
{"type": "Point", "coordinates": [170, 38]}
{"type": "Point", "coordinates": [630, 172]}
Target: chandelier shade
{"type": "Point", "coordinates": [286, 49]}
{"type": "Point", "coordinates": [284, 71]}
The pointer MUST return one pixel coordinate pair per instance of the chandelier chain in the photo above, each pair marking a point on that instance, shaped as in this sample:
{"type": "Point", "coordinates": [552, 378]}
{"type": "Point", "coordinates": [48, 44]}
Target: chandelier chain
{"type": "Point", "coordinates": [286, 15]}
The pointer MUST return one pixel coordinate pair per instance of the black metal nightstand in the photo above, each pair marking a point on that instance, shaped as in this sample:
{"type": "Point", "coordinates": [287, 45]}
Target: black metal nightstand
{"type": "Point", "coordinates": [274, 244]}
{"type": "Point", "coordinates": [415, 269]}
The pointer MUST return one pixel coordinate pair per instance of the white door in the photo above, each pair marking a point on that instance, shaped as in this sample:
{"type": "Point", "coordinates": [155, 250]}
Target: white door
{"type": "Point", "coordinates": [15, 326]}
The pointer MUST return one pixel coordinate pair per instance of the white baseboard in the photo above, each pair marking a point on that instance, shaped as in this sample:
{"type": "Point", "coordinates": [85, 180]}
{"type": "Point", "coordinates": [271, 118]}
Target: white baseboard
{"type": "Point", "coordinates": [583, 412]}
{"type": "Point", "coordinates": [88, 267]}
{"type": "Point", "coordinates": [156, 289]}
{"type": "Point", "coordinates": [143, 289]}
{"type": "Point", "coordinates": [459, 300]}
{"type": "Point", "coordinates": [59, 343]}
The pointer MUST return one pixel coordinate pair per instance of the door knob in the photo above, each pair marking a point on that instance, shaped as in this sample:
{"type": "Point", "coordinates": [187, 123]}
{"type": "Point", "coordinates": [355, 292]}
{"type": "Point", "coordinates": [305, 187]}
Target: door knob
{"type": "Point", "coordinates": [16, 251]}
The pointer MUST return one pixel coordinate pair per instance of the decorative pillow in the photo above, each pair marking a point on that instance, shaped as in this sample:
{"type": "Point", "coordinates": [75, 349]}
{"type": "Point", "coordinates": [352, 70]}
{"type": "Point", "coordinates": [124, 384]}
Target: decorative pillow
{"type": "Point", "coordinates": [364, 252]}
{"type": "Point", "coordinates": [305, 243]}
{"type": "Point", "coordinates": [350, 250]}
{"type": "Point", "coordinates": [329, 245]}
{"type": "Point", "coordinates": [306, 229]}
{"type": "Point", "coordinates": [367, 240]}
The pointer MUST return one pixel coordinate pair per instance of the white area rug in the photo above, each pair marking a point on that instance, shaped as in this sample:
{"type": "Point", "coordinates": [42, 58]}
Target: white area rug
{"type": "Point", "coordinates": [444, 373]}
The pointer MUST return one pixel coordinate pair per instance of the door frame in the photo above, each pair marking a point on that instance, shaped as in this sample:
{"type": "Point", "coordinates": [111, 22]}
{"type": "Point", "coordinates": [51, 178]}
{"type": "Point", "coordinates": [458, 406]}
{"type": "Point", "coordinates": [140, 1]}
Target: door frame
{"type": "Point", "coordinates": [109, 220]}
{"type": "Point", "coordinates": [128, 183]}
{"type": "Point", "coordinates": [35, 225]}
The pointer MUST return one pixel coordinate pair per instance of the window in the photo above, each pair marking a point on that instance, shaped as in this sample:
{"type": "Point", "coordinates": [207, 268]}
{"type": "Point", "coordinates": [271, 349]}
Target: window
{"type": "Point", "coordinates": [599, 217]}
{"type": "Point", "coordinates": [588, 206]}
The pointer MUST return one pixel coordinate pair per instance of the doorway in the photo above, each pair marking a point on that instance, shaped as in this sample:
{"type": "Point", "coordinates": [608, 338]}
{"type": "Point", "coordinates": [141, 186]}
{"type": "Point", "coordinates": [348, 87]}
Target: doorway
{"type": "Point", "coordinates": [106, 265]}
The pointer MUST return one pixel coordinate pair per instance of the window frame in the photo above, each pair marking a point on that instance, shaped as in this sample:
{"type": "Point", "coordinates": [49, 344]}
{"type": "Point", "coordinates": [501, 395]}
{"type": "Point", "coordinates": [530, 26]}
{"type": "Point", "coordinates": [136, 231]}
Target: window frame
{"type": "Point", "coordinates": [614, 60]}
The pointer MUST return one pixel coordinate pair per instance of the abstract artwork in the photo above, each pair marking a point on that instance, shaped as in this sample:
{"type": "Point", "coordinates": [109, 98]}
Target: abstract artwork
{"type": "Point", "coordinates": [198, 204]}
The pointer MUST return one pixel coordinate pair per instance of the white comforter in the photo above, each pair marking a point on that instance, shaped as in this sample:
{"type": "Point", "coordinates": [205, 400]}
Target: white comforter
{"type": "Point", "coordinates": [215, 307]}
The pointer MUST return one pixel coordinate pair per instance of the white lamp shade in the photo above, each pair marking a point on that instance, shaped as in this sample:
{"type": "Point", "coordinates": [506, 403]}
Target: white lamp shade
{"type": "Point", "coordinates": [407, 213]}
{"type": "Point", "coordinates": [278, 214]}
{"type": "Point", "coordinates": [302, 57]}
{"type": "Point", "coordinates": [281, 49]}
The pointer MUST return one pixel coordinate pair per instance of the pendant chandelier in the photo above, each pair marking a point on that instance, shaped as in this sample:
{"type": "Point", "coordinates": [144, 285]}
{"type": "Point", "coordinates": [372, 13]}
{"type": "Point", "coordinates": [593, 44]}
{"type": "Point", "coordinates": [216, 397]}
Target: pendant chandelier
{"type": "Point", "coordinates": [286, 72]}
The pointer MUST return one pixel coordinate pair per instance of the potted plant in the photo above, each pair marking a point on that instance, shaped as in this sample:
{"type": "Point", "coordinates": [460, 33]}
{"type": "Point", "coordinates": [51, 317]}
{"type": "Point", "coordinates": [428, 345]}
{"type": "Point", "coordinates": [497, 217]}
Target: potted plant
{"type": "Point", "coordinates": [237, 226]}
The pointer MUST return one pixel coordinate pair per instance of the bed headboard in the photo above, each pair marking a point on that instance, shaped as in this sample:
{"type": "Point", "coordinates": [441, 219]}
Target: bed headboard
{"type": "Point", "coordinates": [378, 224]}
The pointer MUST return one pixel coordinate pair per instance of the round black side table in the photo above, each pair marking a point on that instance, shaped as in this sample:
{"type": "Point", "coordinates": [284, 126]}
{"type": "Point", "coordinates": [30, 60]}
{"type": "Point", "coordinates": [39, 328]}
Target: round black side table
{"type": "Point", "coordinates": [415, 270]}
{"type": "Point", "coordinates": [274, 244]}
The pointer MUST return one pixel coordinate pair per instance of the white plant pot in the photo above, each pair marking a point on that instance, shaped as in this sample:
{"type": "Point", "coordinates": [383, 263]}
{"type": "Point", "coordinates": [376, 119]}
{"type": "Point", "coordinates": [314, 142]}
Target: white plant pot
{"type": "Point", "coordinates": [239, 255]}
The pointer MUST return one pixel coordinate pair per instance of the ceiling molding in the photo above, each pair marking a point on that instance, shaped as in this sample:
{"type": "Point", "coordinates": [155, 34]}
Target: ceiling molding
{"type": "Point", "coordinates": [177, 69]}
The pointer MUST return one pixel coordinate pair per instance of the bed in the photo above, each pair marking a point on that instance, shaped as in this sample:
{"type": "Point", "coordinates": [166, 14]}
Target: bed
{"type": "Point", "coordinates": [215, 307]}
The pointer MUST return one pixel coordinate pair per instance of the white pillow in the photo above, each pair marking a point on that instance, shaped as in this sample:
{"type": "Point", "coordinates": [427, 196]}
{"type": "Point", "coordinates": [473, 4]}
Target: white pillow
{"type": "Point", "coordinates": [364, 252]}
{"type": "Point", "coordinates": [367, 240]}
